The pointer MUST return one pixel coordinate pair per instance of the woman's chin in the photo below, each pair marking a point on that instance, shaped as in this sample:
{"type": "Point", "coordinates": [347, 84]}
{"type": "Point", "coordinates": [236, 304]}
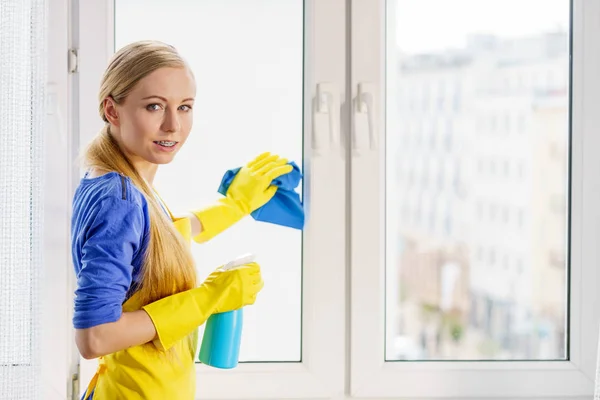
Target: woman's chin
{"type": "Point", "coordinates": [162, 157]}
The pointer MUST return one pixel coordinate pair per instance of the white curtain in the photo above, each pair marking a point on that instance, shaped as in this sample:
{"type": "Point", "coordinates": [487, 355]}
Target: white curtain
{"type": "Point", "coordinates": [22, 82]}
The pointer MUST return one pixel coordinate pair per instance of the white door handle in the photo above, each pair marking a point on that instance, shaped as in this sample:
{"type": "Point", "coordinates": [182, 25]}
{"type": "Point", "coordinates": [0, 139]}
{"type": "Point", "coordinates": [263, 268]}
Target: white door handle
{"type": "Point", "coordinates": [364, 134]}
{"type": "Point", "coordinates": [326, 107]}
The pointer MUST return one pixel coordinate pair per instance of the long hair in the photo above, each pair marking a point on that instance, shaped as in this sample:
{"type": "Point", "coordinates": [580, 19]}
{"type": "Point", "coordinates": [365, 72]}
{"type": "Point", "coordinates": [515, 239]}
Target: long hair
{"type": "Point", "coordinates": [168, 266]}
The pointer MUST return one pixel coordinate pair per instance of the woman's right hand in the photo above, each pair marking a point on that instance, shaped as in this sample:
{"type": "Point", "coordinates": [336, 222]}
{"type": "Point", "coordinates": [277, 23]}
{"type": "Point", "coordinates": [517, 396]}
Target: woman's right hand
{"type": "Point", "coordinates": [237, 287]}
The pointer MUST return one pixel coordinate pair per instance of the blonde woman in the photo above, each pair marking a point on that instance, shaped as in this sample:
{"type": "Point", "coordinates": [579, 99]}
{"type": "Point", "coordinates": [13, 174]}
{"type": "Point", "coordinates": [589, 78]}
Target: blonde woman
{"type": "Point", "coordinates": [138, 305]}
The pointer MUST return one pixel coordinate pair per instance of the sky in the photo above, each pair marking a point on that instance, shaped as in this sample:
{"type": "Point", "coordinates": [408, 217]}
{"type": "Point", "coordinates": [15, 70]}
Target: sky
{"type": "Point", "coordinates": [429, 25]}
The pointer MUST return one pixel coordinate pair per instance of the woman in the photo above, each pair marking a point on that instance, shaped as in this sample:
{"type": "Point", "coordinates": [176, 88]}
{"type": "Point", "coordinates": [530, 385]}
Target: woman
{"type": "Point", "coordinates": [137, 304]}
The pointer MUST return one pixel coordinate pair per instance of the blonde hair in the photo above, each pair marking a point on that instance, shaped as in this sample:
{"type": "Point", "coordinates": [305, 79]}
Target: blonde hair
{"type": "Point", "coordinates": [168, 266]}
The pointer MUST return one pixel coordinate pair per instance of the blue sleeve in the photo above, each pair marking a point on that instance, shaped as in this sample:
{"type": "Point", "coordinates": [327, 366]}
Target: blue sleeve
{"type": "Point", "coordinates": [110, 243]}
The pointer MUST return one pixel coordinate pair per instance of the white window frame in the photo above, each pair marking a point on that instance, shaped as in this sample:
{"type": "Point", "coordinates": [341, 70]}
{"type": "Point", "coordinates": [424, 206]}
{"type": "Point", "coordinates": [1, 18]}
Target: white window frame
{"type": "Point", "coordinates": [321, 372]}
{"type": "Point", "coordinates": [343, 278]}
{"type": "Point", "coordinates": [59, 355]}
{"type": "Point", "coordinates": [371, 376]}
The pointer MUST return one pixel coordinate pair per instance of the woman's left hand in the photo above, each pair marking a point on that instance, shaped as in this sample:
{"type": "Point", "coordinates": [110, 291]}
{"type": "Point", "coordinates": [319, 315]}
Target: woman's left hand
{"type": "Point", "coordinates": [251, 188]}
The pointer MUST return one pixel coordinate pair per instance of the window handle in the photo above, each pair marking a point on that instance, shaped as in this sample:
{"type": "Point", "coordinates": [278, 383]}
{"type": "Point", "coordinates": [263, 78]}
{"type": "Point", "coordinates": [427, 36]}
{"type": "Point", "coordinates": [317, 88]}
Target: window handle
{"type": "Point", "coordinates": [364, 132]}
{"type": "Point", "coordinates": [326, 118]}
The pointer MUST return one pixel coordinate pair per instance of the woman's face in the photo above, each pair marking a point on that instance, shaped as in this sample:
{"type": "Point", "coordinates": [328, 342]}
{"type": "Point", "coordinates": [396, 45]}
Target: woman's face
{"type": "Point", "coordinates": [155, 119]}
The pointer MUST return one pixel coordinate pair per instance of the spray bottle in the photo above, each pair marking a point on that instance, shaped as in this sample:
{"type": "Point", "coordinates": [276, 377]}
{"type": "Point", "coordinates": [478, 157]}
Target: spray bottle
{"type": "Point", "coordinates": [223, 331]}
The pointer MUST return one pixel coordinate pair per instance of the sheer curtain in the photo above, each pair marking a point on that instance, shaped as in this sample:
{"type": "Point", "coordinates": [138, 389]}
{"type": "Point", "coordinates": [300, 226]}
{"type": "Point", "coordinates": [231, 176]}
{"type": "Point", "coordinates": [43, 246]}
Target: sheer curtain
{"type": "Point", "coordinates": [22, 81]}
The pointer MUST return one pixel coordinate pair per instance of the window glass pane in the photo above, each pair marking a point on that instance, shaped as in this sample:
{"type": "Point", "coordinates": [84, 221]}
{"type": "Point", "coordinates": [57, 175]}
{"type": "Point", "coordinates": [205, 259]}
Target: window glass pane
{"type": "Point", "coordinates": [477, 178]}
{"type": "Point", "coordinates": [248, 68]}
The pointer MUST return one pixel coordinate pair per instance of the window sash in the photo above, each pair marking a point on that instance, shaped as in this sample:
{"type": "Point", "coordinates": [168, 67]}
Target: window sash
{"type": "Point", "coordinates": [370, 375]}
{"type": "Point", "coordinates": [320, 374]}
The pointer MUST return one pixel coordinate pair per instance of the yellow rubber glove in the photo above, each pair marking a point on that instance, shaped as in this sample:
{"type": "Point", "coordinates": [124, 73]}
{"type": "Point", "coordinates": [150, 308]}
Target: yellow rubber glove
{"type": "Point", "coordinates": [250, 189]}
{"type": "Point", "coordinates": [177, 316]}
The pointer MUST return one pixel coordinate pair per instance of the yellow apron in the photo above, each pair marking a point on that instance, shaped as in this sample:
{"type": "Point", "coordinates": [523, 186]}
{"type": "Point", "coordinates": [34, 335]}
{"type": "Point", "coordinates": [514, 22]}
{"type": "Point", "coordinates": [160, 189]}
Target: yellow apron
{"type": "Point", "coordinates": [141, 372]}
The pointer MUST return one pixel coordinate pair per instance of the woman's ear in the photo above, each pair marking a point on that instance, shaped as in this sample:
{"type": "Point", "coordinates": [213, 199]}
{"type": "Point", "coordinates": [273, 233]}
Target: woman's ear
{"type": "Point", "coordinates": [110, 111]}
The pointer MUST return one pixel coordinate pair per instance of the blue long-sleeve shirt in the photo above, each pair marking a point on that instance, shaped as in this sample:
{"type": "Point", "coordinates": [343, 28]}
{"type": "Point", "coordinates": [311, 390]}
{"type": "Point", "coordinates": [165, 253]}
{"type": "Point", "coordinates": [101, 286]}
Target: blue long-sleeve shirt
{"type": "Point", "coordinates": [110, 228]}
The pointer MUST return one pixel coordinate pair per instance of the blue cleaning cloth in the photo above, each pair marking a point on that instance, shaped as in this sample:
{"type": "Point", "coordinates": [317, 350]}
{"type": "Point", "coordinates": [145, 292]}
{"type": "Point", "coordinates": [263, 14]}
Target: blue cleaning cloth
{"type": "Point", "coordinates": [285, 208]}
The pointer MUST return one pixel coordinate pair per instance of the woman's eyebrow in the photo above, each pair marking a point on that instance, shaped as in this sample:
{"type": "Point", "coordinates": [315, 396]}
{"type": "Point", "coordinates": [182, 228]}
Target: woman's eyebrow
{"type": "Point", "coordinates": [164, 99]}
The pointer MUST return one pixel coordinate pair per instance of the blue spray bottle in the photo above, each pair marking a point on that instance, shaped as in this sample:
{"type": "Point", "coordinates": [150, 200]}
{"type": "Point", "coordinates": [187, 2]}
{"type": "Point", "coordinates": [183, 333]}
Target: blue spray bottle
{"type": "Point", "coordinates": [223, 332]}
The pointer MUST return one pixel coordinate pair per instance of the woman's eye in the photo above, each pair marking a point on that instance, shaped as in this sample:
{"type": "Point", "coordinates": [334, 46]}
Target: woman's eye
{"type": "Point", "coordinates": [153, 107]}
{"type": "Point", "coordinates": [185, 107]}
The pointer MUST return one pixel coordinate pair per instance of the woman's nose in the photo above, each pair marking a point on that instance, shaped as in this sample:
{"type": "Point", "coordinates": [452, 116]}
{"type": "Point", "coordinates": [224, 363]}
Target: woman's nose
{"type": "Point", "coordinates": [171, 122]}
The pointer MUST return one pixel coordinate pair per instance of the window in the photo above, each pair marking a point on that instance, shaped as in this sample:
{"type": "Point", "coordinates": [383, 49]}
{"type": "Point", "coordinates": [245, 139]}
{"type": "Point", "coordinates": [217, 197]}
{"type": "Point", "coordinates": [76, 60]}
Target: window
{"type": "Point", "coordinates": [403, 285]}
{"type": "Point", "coordinates": [422, 346]}
{"type": "Point", "coordinates": [254, 94]}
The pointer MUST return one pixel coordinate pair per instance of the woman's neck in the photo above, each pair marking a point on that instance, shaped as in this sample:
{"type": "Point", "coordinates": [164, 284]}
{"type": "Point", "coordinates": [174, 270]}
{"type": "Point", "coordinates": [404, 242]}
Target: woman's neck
{"type": "Point", "coordinates": [147, 171]}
